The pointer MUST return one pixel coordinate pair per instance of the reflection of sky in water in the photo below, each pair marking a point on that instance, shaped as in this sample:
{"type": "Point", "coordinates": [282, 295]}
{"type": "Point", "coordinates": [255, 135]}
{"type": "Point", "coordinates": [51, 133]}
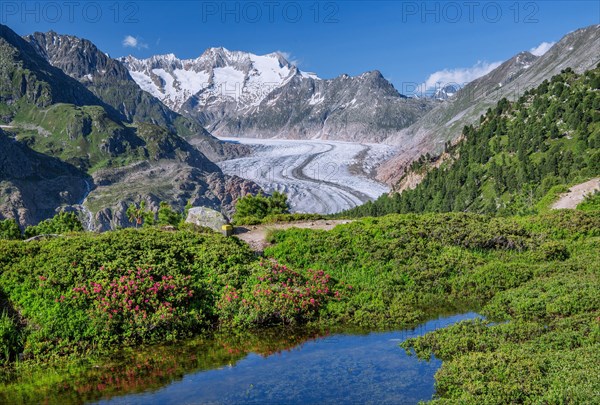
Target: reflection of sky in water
{"type": "Point", "coordinates": [336, 369]}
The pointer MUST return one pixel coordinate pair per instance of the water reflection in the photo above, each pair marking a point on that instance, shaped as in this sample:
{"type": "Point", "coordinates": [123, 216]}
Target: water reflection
{"type": "Point", "coordinates": [276, 366]}
{"type": "Point", "coordinates": [339, 368]}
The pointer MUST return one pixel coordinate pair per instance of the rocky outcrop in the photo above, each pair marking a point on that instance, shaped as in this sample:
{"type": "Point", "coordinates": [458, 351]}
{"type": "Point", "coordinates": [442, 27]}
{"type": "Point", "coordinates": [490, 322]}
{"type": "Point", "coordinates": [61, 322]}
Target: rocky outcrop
{"type": "Point", "coordinates": [176, 183]}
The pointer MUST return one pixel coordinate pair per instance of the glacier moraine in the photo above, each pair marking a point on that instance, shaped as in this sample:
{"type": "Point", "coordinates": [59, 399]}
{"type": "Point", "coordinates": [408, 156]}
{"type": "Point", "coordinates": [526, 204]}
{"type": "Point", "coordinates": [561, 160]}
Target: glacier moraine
{"type": "Point", "coordinates": [318, 176]}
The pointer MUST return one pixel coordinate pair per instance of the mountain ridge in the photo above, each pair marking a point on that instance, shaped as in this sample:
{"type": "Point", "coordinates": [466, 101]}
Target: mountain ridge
{"type": "Point", "coordinates": [235, 93]}
{"type": "Point", "coordinates": [515, 160]}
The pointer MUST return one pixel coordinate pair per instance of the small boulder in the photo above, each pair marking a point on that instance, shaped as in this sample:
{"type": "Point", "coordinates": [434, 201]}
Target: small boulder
{"type": "Point", "coordinates": [207, 217]}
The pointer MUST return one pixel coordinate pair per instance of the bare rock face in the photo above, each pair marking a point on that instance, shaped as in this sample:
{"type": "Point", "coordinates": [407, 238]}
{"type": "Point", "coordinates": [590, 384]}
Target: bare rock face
{"type": "Point", "coordinates": [207, 217]}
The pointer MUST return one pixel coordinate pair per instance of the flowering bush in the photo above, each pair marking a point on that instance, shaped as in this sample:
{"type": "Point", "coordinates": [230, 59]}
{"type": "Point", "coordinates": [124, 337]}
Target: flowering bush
{"type": "Point", "coordinates": [276, 294]}
{"type": "Point", "coordinates": [138, 304]}
{"type": "Point", "coordinates": [33, 276]}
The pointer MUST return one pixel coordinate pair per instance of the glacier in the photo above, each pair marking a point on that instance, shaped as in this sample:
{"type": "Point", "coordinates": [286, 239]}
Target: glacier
{"type": "Point", "coordinates": [318, 176]}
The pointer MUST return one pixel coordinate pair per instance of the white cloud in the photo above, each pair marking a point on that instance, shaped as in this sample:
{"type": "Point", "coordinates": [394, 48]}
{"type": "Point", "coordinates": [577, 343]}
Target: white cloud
{"type": "Point", "coordinates": [541, 48]}
{"type": "Point", "coordinates": [132, 42]}
{"type": "Point", "coordinates": [457, 76]}
{"type": "Point", "coordinates": [289, 57]}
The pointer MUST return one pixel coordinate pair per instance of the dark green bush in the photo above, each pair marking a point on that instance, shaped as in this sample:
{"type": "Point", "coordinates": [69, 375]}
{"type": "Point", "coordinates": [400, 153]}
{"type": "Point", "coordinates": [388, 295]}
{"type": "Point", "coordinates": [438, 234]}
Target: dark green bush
{"type": "Point", "coordinates": [63, 222]}
{"type": "Point", "coordinates": [553, 250]}
{"type": "Point", "coordinates": [9, 229]}
{"type": "Point", "coordinates": [591, 202]}
{"type": "Point", "coordinates": [260, 206]}
{"type": "Point", "coordinates": [167, 216]}
{"type": "Point", "coordinates": [10, 338]}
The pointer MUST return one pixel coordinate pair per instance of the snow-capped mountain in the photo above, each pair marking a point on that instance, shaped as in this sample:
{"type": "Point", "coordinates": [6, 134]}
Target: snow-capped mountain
{"type": "Point", "coordinates": [110, 81]}
{"type": "Point", "coordinates": [237, 93]}
{"type": "Point", "coordinates": [217, 76]}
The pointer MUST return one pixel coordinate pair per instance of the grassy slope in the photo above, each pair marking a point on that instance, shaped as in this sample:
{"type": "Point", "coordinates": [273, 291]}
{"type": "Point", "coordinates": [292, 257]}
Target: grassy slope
{"type": "Point", "coordinates": [83, 136]}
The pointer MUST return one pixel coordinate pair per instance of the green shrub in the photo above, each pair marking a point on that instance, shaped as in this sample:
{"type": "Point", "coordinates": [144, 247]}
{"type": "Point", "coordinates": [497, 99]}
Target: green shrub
{"type": "Point", "coordinates": [190, 227]}
{"type": "Point", "coordinates": [260, 206]}
{"type": "Point", "coordinates": [61, 223]}
{"type": "Point", "coordinates": [547, 298]}
{"type": "Point", "coordinates": [44, 280]}
{"type": "Point", "coordinates": [276, 294]}
{"type": "Point", "coordinates": [10, 338]}
{"type": "Point", "coordinates": [553, 250]}
{"type": "Point", "coordinates": [139, 215]}
{"type": "Point", "coordinates": [167, 216]}
{"type": "Point", "coordinates": [590, 203]}
{"type": "Point", "coordinates": [561, 224]}
{"type": "Point", "coordinates": [9, 229]}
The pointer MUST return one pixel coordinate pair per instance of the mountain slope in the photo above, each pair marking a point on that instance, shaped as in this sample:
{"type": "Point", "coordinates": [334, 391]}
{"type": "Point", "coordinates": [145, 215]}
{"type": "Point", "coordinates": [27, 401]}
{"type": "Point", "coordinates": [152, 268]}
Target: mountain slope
{"type": "Point", "coordinates": [515, 161]}
{"type": "Point", "coordinates": [578, 50]}
{"type": "Point", "coordinates": [109, 80]}
{"type": "Point", "coordinates": [235, 93]}
{"type": "Point", "coordinates": [58, 117]}
{"type": "Point", "coordinates": [32, 184]}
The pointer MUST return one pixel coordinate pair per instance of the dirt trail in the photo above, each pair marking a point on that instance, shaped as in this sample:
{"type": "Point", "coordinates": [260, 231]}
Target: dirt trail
{"type": "Point", "coordinates": [255, 235]}
{"type": "Point", "coordinates": [576, 194]}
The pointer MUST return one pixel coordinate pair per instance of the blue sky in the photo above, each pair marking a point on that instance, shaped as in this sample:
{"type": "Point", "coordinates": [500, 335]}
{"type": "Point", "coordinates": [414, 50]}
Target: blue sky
{"type": "Point", "coordinates": [406, 40]}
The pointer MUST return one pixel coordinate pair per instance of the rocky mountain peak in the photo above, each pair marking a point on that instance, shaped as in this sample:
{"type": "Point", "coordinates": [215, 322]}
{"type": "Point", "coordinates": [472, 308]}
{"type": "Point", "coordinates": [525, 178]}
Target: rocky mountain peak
{"type": "Point", "coordinates": [77, 57]}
